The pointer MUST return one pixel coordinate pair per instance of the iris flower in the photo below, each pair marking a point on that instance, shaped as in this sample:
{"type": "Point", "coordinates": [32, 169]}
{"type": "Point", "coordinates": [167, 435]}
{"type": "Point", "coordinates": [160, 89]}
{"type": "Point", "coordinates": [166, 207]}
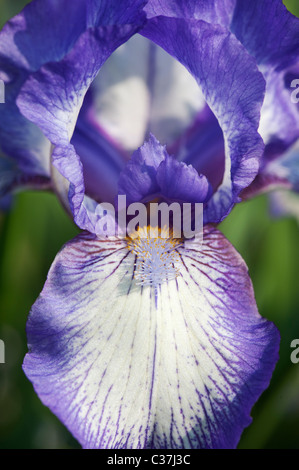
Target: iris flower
{"type": "Point", "coordinates": [130, 345]}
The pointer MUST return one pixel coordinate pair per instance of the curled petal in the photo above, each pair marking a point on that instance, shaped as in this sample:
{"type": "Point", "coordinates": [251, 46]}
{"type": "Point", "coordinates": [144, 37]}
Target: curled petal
{"type": "Point", "coordinates": [52, 96]}
{"type": "Point", "coordinates": [139, 178]}
{"type": "Point", "coordinates": [151, 172]}
{"type": "Point", "coordinates": [45, 32]}
{"type": "Point", "coordinates": [25, 45]}
{"type": "Point", "coordinates": [141, 89]}
{"type": "Point", "coordinates": [234, 90]}
{"type": "Point", "coordinates": [181, 182]}
{"type": "Point", "coordinates": [131, 366]}
{"type": "Point", "coordinates": [68, 176]}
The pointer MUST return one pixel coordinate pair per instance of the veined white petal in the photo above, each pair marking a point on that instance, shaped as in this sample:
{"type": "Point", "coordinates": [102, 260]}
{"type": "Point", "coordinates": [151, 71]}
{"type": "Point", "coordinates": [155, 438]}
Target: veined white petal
{"type": "Point", "coordinates": [127, 366]}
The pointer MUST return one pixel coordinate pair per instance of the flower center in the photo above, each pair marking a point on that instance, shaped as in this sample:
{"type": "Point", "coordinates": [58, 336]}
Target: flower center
{"type": "Point", "coordinates": [156, 254]}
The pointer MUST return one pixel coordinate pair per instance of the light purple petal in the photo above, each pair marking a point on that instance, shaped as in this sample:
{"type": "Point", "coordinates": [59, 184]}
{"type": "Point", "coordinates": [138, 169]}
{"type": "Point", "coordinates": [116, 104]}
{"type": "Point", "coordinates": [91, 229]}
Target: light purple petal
{"type": "Point", "coordinates": [181, 182]}
{"type": "Point", "coordinates": [140, 90]}
{"type": "Point", "coordinates": [271, 34]}
{"type": "Point", "coordinates": [26, 42]}
{"type": "Point", "coordinates": [129, 366]}
{"type": "Point", "coordinates": [52, 97]}
{"type": "Point", "coordinates": [152, 173]}
{"type": "Point", "coordinates": [233, 89]}
{"type": "Point", "coordinates": [45, 32]}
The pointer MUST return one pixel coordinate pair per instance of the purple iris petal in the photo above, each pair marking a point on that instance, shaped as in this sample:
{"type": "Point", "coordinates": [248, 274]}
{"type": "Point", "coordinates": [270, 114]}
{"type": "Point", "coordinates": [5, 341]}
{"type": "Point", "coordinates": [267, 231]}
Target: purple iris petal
{"type": "Point", "coordinates": [151, 172]}
{"type": "Point", "coordinates": [140, 90]}
{"type": "Point", "coordinates": [139, 178]}
{"type": "Point", "coordinates": [24, 47]}
{"type": "Point", "coordinates": [29, 41]}
{"type": "Point", "coordinates": [124, 366]}
{"type": "Point", "coordinates": [268, 31]}
{"type": "Point", "coordinates": [52, 96]}
{"type": "Point", "coordinates": [212, 11]}
{"type": "Point", "coordinates": [233, 89]}
{"type": "Point", "coordinates": [181, 182]}
{"type": "Point", "coordinates": [272, 38]}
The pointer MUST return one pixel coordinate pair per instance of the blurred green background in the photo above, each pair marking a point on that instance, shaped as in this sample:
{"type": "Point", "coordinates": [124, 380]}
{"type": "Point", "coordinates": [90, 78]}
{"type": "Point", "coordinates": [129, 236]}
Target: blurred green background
{"type": "Point", "coordinates": [36, 228]}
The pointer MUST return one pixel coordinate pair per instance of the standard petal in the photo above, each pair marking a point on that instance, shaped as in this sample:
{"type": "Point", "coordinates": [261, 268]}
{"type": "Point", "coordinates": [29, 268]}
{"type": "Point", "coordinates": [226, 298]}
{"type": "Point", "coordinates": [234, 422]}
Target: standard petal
{"type": "Point", "coordinates": [268, 31]}
{"type": "Point", "coordinates": [52, 97]}
{"type": "Point", "coordinates": [213, 11]}
{"type": "Point", "coordinates": [233, 89]}
{"type": "Point", "coordinates": [24, 47]}
{"type": "Point", "coordinates": [140, 90]}
{"type": "Point", "coordinates": [130, 366]}
{"type": "Point", "coordinates": [45, 32]}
